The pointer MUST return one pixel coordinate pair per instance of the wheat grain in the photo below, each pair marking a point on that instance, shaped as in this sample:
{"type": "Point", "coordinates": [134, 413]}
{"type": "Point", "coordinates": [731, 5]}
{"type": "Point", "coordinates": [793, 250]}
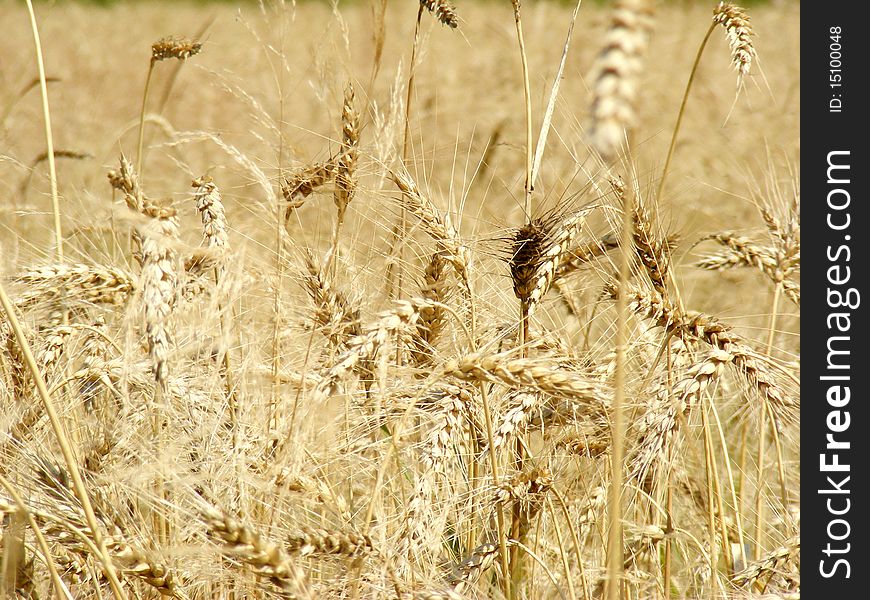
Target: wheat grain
{"type": "Point", "coordinates": [443, 10]}
{"type": "Point", "coordinates": [263, 556]}
{"type": "Point", "coordinates": [304, 182]}
{"type": "Point", "coordinates": [432, 320]}
{"type": "Point", "coordinates": [440, 228]}
{"type": "Point", "coordinates": [738, 29]}
{"type": "Point", "coordinates": [159, 284]}
{"type": "Point", "coordinates": [345, 168]}
{"type": "Point", "coordinates": [526, 374]}
{"type": "Point", "coordinates": [94, 284]}
{"type": "Point", "coordinates": [537, 250]}
{"type": "Point", "coordinates": [333, 312]}
{"type": "Point", "coordinates": [616, 72]}
{"type": "Point", "coordinates": [473, 566]}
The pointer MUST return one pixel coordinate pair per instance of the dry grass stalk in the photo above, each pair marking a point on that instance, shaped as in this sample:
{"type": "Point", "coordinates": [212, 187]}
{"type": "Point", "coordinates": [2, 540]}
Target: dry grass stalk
{"type": "Point", "coordinates": [443, 10]}
{"type": "Point", "coordinates": [179, 48]}
{"type": "Point", "coordinates": [264, 557]}
{"type": "Point", "coordinates": [738, 29]}
{"type": "Point", "coordinates": [159, 284]}
{"type": "Point", "coordinates": [616, 72]}
{"type": "Point", "coordinates": [439, 228]}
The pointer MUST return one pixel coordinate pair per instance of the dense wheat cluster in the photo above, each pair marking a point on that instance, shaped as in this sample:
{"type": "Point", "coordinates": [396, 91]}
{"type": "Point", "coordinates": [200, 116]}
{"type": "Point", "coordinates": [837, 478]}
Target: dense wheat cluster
{"type": "Point", "coordinates": [277, 320]}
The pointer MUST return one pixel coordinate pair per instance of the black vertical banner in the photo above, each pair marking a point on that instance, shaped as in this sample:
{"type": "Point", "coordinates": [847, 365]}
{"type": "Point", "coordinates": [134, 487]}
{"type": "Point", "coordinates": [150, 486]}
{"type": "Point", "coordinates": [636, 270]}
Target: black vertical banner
{"type": "Point", "coordinates": [835, 346]}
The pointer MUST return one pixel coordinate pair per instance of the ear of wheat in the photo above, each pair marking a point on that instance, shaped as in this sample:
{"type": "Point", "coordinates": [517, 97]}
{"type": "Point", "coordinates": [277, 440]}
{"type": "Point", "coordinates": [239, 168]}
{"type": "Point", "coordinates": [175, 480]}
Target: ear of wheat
{"type": "Point", "coordinates": [738, 29]}
{"type": "Point", "coordinates": [443, 10]}
{"type": "Point", "coordinates": [616, 73]}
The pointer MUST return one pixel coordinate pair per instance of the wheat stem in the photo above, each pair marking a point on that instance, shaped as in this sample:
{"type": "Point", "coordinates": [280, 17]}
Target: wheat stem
{"type": "Point", "coordinates": [682, 111]}
{"type": "Point", "coordinates": [63, 441]}
{"type": "Point", "coordinates": [49, 139]}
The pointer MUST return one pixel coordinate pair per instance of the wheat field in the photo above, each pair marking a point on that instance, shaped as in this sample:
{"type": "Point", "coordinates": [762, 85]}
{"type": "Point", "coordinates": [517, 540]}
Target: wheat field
{"type": "Point", "coordinates": [353, 301]}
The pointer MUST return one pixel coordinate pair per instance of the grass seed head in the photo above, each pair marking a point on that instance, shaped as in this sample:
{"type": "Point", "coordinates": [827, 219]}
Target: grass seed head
{"type": "Point", "coordinates": [180, 48]}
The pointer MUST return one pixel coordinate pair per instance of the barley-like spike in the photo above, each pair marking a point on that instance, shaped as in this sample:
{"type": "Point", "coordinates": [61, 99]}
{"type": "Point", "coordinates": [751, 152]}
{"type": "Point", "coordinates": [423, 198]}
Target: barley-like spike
{"type": "Point", "coordinates": [740, 251]}
{"type": "Point", "coordinates": [337, 543]}
{"type": "Point", "coordinates": [651, 250]}
{"type": "Point", "coordinates": [769, 563]}
{"type": "Point", "coordinates": [581, 255]}
{"type": "Point", "coordinates": [700, 327]}
{"type": "Point", "coordinates": [210, 205]}
{"type": "Point", "coordinates": [363, 349]}
{"type": "Point", "coordinates": [431, 319]}
{"type": "Point", "coordinates": [536, 252]}
{"type": "Point", "coordinates": [339, 319]}
{"type": "Point", "coordinates": [658, 425]}
{"type": "Point", "coordinates": [419, 534]}
{"type": "Point", "coordinates": [126, 181]}
{"type": "Point", "coordinates": [522, 406]}
{"type": "Point", "coordinates": [94, 284]}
